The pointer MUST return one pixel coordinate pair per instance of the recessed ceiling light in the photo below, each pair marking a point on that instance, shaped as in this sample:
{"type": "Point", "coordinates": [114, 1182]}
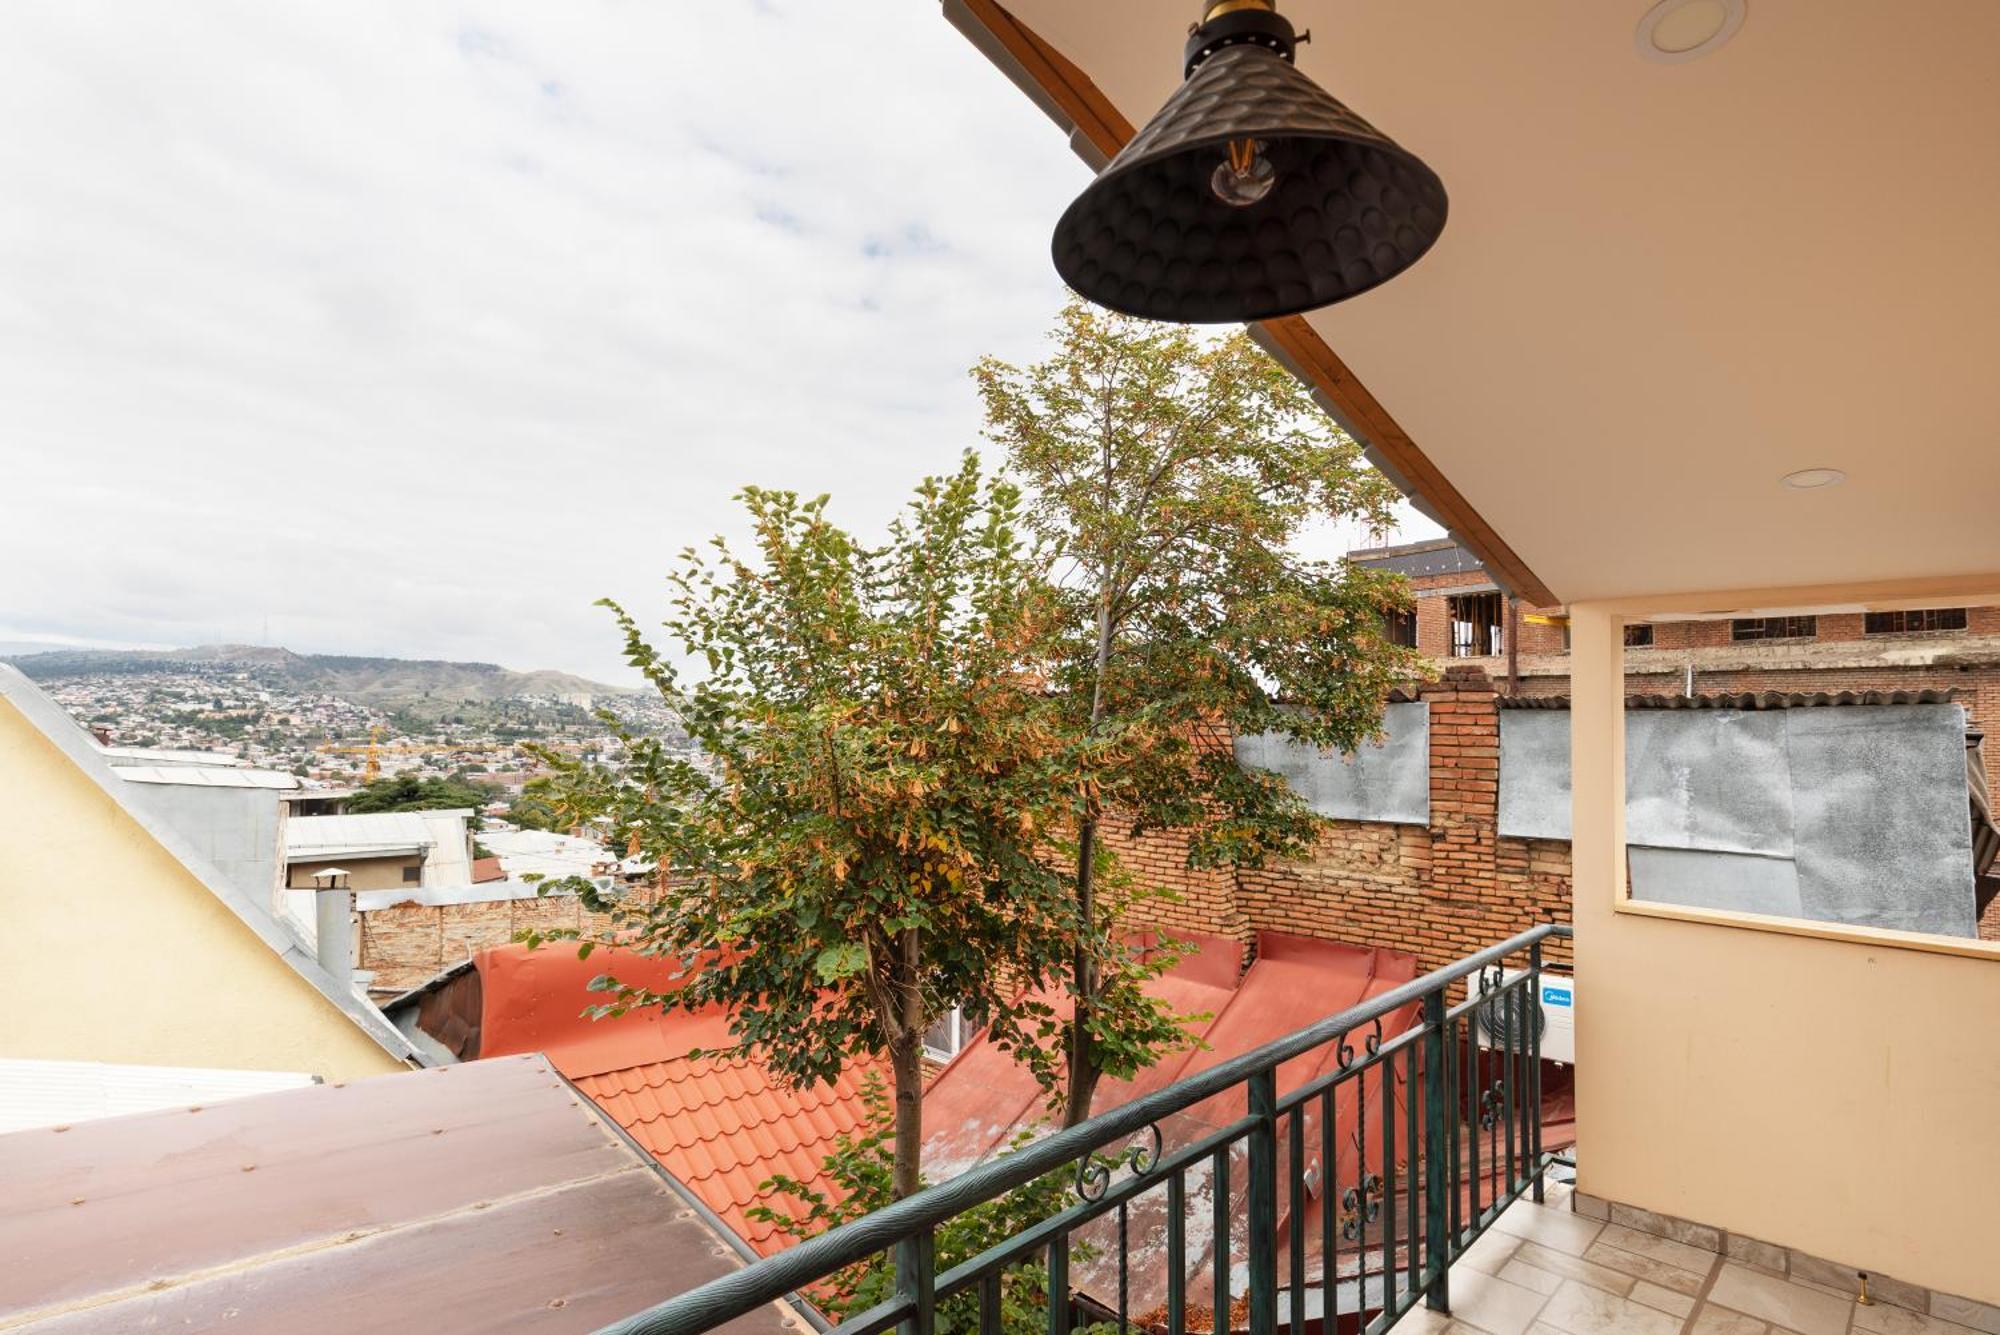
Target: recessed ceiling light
{"type": "Point", "coordinates": [1678, 30]}
{"type": "Point", "coordinates": [1808, 478]}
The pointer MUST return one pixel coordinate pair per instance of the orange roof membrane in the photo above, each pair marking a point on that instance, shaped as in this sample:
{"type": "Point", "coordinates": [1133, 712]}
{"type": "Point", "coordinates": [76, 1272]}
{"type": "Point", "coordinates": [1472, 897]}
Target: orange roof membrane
{"type": "Point", "coordinates": [721, 1125]}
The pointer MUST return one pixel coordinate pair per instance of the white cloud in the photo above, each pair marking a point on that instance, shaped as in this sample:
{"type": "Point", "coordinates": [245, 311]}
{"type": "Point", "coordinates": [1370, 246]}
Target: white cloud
{"type": "Point", "coordinates": [412, 329]}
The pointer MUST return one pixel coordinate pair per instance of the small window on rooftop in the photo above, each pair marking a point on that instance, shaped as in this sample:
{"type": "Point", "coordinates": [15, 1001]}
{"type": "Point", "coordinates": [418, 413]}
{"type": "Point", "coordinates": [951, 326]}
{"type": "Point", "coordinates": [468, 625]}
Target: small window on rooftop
{"type": "Point", "coordinates": [1476, 626]}
{"type": "Point", "coordinates": [947, 1035]}
{"type": "Point", "coordinates": [1774, 628]}
{"type": "Point", "coordinates": [1928, 618]}
{"type": "Point", "coordinates": [1639, 636]}
{"type": "Point", "coordinates": [412, 875]}
{"type": "Point", "coordinates": [1400, 625]}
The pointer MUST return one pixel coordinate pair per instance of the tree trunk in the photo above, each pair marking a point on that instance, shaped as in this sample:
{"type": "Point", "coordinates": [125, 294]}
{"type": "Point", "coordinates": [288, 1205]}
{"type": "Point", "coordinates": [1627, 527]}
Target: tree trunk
{"type": "Point", "coordinates": [1082, 1061]}
{"type": "Point", "coordinates": [906, 1064]}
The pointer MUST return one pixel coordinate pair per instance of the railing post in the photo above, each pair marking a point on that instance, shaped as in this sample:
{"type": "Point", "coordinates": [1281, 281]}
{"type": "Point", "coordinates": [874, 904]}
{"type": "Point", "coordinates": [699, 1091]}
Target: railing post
{"type": "Point", "coordinates": [916, 1271]}
{"type": "Point", "coordinates": [1440, 1164]}
{"type": "Point", "coordinates": [1539, 1169]}
{"type": "Point", "coordinates": [1262, 1223]}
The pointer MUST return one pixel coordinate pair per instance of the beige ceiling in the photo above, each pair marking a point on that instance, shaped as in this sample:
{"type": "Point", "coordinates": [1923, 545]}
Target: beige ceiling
{"type": "Point", "coordinates": [1664, 286]}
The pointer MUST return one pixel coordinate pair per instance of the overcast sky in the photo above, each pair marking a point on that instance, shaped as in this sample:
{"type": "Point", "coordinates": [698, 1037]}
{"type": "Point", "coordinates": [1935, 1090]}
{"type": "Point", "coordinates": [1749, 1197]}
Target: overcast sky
{"type": "Point", "coordinates": [411, 329]}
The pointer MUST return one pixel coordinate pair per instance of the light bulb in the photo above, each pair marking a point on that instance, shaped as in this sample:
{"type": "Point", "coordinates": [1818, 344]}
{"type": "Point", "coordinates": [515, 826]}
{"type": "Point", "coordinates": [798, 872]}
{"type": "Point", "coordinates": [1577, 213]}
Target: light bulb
{"type": "Point", "coordinates": [1245, 176]}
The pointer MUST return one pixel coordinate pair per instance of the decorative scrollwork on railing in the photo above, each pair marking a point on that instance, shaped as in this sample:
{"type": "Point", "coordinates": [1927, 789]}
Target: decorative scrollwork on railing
{"type": "Point", "coordinates": [1375, 1039]}
{"type": "Point", "coordinates": [1490, 1101]}
{"type": "Point", "coordinates": [1343, 1055]}
{"type": "Point", "coordinates": [1361, 1206]}
{"type": "Point", "coordinates": [1145, 1158]}
{"type": "Point", "coordinates": [1093, 1171]}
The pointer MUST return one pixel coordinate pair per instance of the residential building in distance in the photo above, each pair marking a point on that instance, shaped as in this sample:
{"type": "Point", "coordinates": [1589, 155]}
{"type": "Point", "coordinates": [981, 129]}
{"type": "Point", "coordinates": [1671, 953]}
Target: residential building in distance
{"type": "Point", "coordinates": [1462, 616]}
{"type": "Point", "coordinates": [381, 850]}
{"type": "Point", "coordinates": [126, 943]}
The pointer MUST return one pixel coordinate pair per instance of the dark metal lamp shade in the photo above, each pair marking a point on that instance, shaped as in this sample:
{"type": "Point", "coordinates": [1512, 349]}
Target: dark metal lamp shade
{"type": "Point", "coordinates": [1330, 207]}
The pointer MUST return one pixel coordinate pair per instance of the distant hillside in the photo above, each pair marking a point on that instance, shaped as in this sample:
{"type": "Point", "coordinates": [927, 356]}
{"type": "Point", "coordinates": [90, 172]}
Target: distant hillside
{"type": "Point", "coordinates": [376, 681]}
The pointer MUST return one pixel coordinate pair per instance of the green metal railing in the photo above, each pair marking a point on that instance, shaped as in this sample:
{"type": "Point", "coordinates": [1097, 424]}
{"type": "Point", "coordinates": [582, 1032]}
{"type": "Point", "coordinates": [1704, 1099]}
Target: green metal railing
{"type": "Point", "coordinates": [1443, 1117]}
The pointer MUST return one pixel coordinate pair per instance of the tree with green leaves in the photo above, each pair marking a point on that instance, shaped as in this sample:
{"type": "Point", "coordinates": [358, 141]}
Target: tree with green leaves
{"type": "Point", "coordinates": [858, 1178]}
{"type": "Point", "coordinates": [407, 792]}
{"type": "Point", "coordinates": [1172, 478]}
{"type": "Point", "coordinates": [863, 846]}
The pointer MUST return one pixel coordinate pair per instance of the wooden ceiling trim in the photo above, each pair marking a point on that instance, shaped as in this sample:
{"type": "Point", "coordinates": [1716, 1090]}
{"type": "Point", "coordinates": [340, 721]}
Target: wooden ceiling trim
{"type": "Point", "coordinates": [1101, 123]}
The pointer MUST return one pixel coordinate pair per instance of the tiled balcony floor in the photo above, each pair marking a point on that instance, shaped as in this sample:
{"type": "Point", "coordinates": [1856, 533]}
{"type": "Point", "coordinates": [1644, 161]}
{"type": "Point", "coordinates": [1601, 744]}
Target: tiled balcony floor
{"type": "Point", "coordinates": [1543, 1270]}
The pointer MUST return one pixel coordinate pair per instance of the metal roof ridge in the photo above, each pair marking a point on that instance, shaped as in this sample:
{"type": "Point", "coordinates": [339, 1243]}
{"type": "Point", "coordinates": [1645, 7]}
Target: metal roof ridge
{"type": "Point", "coordinates": [54, 723]}
{"type": "Point", "coordinates": [1406, 549]}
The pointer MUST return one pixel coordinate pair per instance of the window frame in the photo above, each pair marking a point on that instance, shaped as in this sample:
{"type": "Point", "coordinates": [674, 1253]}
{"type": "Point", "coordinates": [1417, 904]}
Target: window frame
{"type": "Point", "coordinates": [1791, 628]}
{"type": "Point", "coordinates": [1940, 615]}
{"type": "Point", "coordinates": [1468, 644]}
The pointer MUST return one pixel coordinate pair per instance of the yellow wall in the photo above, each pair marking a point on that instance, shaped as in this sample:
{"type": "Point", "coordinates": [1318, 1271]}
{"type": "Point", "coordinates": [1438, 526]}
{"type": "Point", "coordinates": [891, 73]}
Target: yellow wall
{"type": "Point", "coordinates": [111, 950]}
{"type": "Point", "coordinates": [1834, 1090]}
{"type": "Point", "coordinates": [362, 873]}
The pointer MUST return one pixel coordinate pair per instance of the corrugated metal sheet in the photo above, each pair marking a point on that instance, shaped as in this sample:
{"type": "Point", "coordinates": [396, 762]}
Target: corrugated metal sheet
{"type": "Point", "coordinates": [47, 1093]}
{"type": "Point", "coordinates": [319, 836]}
{"type": "Point", "coordinates": [1386, 780]}
{"type": "Point", "coordinates": [469, 1198]}
{"type": "Point", "coordinates": [1867, 806]}
{"type": "Point", "coordinates": [1752, 700]}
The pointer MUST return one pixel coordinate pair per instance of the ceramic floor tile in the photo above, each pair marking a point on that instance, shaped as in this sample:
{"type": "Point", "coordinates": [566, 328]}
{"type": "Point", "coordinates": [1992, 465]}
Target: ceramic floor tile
{"type": "Point", "coordinates": [1490, 1252]}
{"type": "Point", "coordinates": [1666, 1300]}
{"type": "Point", "coordinates": [1529, 1277]}
{"type": "Point", "coordinates": [1420, 1320]}
{"type": "Point", "coordinates": [1980, 1316]}
{"type": "Point", "coordinates": [1582, 1310]}
{"type": "Point", "coordinates": [1557, 1230]}
{"type": "Point", "coordinates": [1576, 1267]}
{"type": "Point", "coordinates": [1883, 1319]}
{"type": "Point", "coordinates": [1713, 1320]}
{"type": "Point", "coordinates": [1660, 1249]}
{"type": "Point", "coordinates": [1493, 1305]}
{"type": "Point", "coordinates": [1645, 1267]}
{"type": "Point", "coordinates": [1778, 1301]}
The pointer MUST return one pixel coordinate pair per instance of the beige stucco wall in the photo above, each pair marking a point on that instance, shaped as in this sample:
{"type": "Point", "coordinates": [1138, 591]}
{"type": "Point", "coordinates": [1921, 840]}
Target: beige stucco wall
{"type": "Point", "coordinates": [113, 951]}
{"type": "Point", "coordinates": [362, 873]}
{"type": "Point", "coordinates": [1835, 1095]}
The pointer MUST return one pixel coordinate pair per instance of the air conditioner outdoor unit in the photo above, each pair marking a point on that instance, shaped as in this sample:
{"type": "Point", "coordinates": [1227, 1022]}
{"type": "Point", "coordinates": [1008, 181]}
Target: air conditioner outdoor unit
{"type": "Point", "coordinates": [1553, 1012]}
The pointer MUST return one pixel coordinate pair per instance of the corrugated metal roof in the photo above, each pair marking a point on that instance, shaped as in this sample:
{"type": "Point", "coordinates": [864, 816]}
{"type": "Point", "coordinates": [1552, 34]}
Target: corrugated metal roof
{"type": "Point", "coordinates": [307, 836]}
{"type": "Point", "coordinates": [1437, 556]}
{"type": "Point", "coordinates": [468, 1198]}
{"type": "Point", "coordinates": [49, 1093]}
{"type": "Point", "coordinates": [440, 835]}
{"type": "Point", "coordinates": [153, 755]}
{"type": "Point", "coordinates": [1752, 700]}
{"type": "Point", "coordinates": [203, 776]}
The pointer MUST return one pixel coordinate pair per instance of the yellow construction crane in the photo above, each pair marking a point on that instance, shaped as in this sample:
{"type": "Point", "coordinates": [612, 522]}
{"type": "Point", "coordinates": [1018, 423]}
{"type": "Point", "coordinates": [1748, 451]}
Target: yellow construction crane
{"type": "Point", "coordinates": [375, 751]}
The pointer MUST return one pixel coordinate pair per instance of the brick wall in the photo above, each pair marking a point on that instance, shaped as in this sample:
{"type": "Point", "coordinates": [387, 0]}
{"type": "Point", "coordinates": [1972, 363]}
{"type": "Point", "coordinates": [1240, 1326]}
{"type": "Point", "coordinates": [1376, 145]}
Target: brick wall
{"type": "Point", "coordinates": [1440, 892]}
{"type": "Point", "coordinates": [1445, 891]}
{"type": "Point", "coordinates": [411, 943]}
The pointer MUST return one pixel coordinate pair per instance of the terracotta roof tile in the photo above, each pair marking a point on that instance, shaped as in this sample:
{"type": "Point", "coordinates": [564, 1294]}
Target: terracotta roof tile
{"type": "Point", "coordinates": [722, 1126]}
